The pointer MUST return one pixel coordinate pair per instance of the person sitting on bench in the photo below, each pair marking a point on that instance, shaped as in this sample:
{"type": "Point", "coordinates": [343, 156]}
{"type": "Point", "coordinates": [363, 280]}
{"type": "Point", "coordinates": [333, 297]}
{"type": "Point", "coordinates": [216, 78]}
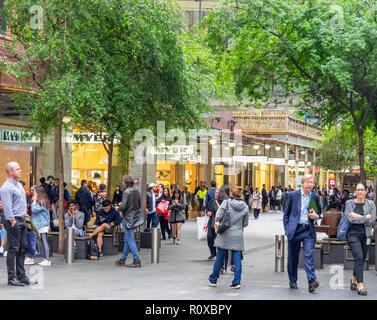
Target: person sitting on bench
{"type": "Point", "coordinates": [106, 219]}
{"type": "Point", "coordinates": [74, 218]}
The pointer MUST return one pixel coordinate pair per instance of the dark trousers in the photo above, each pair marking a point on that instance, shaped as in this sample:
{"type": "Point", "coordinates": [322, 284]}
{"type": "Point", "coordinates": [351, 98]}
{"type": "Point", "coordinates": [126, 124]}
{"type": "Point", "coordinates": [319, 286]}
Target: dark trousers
{"type": "Point", "coordinates": [357, 243]}
{"type": "Point", "coordinates": [186, 211]}
{"type": "Point", "coordinates": [211, 236]}
{"type": "Point", "coordinates": [164, 226]}
{"type": "Point", "coordinates": [272, 204]}
{"type": "Point", "coordinates": [264, 204]}
{"type": "Point", "coordinates": [17, 246]}
{"type": "Point", "coordinates": [302, 235]}
{"type": "Point", "coordinates": [278, 204]}
{"type": "Point", "coordinates": [256, 213]}
{"type": "Point", "coordinates": [88, 216]}
{"type": "Point", "coordinates": [152, 219]}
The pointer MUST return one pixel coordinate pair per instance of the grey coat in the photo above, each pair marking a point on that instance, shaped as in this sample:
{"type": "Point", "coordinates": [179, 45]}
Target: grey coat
{"type": "Point", "coordinates": [177, 213]}
{"type": "Point", "coordinates": [232, 238]}
{"type": "Point", "coordinates": [369, 208]}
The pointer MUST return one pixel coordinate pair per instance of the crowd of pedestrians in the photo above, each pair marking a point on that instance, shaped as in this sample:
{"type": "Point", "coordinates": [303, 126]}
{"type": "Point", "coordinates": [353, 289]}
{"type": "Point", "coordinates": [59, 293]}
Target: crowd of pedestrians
{"type": "Point", "coordinates": [27, 217]}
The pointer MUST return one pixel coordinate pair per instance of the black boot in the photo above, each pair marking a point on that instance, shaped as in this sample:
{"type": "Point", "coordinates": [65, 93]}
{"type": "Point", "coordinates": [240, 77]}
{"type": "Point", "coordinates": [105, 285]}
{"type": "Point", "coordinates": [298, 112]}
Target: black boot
{"type": "Point", "coordinates": [135, 264]}
{"type": "Point", "coordinates": [120, 262]}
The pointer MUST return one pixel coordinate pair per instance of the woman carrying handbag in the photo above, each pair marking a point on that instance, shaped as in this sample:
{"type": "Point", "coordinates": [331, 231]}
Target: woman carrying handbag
{"type": "Point", "coordinates": [361, 214]}
{"type": "Point", "coordinates": [233, 212]}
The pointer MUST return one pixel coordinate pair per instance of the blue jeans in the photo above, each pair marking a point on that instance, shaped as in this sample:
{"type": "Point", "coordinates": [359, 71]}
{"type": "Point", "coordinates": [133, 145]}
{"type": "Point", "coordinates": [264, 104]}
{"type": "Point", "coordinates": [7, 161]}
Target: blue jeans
{"type": "Point", "coordinates": [236, 255]}
{"type": "Point", "coordinates": [3, 233]}
{"type": "Point", "coordinates": [152, 217]}
{"type": "Point", "coordinates": [129, 243]}
{"type": "Point", "coordinates": [31, 244]}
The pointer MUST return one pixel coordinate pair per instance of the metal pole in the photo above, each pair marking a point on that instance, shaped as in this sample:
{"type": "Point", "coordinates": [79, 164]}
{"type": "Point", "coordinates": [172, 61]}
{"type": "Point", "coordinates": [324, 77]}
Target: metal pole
{"type": "Point", "coordinates": [279, 253]}
{"type": "Point", "coordinates": [69, 250]}
{"type": "Point", "coordinates": [156, 239]}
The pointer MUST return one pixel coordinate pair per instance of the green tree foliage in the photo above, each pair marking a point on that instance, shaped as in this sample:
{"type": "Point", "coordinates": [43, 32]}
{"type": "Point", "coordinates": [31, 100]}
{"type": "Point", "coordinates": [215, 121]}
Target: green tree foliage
{"type": "Point", "coordinates": [113, 66]}
{"type": "Point", "coordinates": [337, 150]}
{"type": "Point", "coordinates": [320, 51]}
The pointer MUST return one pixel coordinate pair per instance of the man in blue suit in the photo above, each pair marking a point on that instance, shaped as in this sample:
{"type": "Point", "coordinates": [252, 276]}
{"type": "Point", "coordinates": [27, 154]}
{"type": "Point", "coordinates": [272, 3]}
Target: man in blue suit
{"type": "Point", "coordinates": [299, 227]}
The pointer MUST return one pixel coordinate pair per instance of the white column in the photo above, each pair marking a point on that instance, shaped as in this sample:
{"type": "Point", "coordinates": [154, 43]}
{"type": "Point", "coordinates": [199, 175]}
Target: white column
{"type": "Point", "coordinates": [286, 167]}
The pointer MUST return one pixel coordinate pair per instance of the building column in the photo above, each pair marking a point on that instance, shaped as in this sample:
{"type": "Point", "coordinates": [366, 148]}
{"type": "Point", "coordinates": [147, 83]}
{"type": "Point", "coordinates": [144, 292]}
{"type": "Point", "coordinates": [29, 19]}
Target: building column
{"type": "Point", "coordinates": [286, 167]}
{"type": "Point", "coordinates": [321, 179]}
{"type": "Point", "coordinates": [242, 175]}
{"type": "Point", "coordinates": [296, 167]}
{"type": "Point", "coordinates": [313, 165]}
{"type": "Point", "coordinates": [327, 180]}
{"type": "Point", "coordinates": [180, 175]}
{"type": "Point", "coordinates": [306, 161]}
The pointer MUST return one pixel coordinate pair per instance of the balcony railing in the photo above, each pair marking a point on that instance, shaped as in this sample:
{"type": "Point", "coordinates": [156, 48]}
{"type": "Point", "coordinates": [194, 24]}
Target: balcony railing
{"type": "Point", "coordinates": [275, 122]}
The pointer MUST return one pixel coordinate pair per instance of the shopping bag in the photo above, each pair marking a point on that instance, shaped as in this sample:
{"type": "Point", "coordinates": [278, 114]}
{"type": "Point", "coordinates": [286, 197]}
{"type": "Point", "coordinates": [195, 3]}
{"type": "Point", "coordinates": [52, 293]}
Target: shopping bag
{"type": "Point", "coordinates": [202, 227]}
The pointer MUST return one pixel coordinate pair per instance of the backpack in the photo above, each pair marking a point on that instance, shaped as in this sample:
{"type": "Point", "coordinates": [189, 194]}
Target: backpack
{"type": "Point", "coordinates": [93, 251]}
{"type": "Point", "coordinates": [343, 227]}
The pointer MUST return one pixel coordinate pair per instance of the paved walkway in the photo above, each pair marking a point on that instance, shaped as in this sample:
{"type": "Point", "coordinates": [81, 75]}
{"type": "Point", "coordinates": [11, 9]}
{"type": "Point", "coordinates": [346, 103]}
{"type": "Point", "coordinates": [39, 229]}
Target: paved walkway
{"type": "Point", "coordinates": [182, 274]}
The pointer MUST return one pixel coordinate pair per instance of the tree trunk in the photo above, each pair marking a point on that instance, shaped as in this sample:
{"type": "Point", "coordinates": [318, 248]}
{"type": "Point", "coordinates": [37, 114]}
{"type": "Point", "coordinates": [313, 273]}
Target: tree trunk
{"type": "Point", "coordinates": [363, 177]}
{"type": "Point", "coordinates": [109, 166]}
{"type": "Point", "coordinates": [341, 178]}
{"type": "Point", "coordinates": [59, 155]}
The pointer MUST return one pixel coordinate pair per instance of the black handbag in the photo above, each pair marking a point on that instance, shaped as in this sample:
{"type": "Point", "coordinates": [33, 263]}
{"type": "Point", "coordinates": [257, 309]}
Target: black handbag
{"type": "Point", "coordinates": [225, 222]}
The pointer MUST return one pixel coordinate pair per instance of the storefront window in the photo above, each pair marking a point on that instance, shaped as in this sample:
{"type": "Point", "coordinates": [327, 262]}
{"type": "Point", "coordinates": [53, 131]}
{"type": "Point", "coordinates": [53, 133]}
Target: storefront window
{"type": "Point", "coordinates": [89, 162]}
{"type": "Point", "coordinates": [20, 154]}
{"type": "Point", "coordinates": [263, 176]}
{"type": "Point", "coordinates": [165, 173]}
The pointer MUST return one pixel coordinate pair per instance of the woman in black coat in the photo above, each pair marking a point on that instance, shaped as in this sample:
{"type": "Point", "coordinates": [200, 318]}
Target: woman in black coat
{"type": "Point", "coordinates": [117, 198]}
{"type": "Point", "coordinates": [222, 194]}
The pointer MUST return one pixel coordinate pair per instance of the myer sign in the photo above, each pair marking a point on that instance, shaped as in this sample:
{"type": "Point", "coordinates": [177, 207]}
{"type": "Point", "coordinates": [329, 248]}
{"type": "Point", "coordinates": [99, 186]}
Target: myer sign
{"type": "Point", "coordinates": [82, 137]}
{"type": "Point", "coordinates": [173, 150]}
{"type": "Point", "coordinates": [16, 136]}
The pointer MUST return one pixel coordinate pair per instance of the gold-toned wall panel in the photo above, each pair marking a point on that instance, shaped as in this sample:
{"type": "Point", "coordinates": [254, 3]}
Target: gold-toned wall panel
{"type": "Point", "coordinates": [18, 154]}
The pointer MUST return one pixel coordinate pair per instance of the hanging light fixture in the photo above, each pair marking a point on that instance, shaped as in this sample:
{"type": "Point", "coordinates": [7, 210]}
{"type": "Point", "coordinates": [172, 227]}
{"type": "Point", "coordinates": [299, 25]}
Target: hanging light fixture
{"type": "Point", "coordinates": [212, 141]}
{"type": "Point", "coordinates": [267, 146]}
{"type": "Point", "coordinates": [256, 147]}
{"type": "Point", "coordinates": [277, 148]}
